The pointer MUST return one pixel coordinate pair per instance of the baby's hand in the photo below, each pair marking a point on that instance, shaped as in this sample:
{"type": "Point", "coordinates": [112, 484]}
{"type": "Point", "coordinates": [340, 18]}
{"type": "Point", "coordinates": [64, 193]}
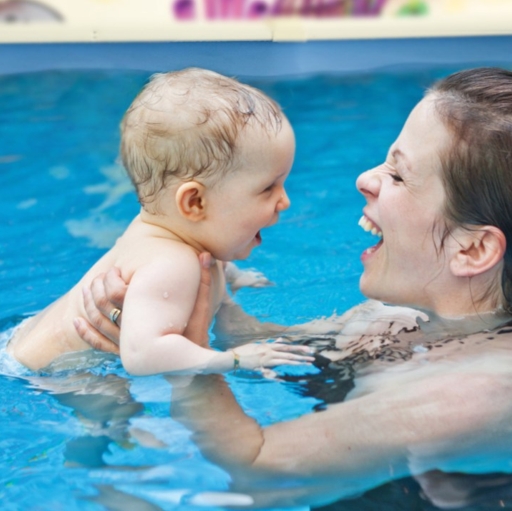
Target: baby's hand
{"type": "Point", "coordinates": [271, 354]}
{"type": "Point", "coordinates": [237, 278]}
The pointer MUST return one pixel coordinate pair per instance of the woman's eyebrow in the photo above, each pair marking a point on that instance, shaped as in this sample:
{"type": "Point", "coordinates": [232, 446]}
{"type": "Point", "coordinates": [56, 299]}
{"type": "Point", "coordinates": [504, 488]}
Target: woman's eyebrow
{"type": "Point", "coordinates": [398, 155]}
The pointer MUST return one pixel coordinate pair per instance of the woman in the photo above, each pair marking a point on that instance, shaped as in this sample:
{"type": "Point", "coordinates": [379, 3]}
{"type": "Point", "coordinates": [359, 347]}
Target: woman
{"type": "Point", "coordinates": [429, 387]}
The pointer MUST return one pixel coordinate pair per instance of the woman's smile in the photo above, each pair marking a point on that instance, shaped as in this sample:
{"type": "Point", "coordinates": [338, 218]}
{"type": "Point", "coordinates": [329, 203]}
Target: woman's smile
{"type": "Point", "coordinates": [369, 225]}
{"type": "Point", "coordinates": [405, 198]}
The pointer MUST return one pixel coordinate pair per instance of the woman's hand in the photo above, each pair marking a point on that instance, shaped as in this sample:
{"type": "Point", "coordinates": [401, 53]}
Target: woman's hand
{"type": "Point", "coordinates": [107, 292]}
{"type": "Point", "coordinates": [199, 322]}
{"type": "Point", "coordinates": [271, 354]}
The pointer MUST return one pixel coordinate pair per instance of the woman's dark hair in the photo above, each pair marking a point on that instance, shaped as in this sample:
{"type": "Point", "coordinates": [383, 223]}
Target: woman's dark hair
{"type": "Point", "coordinates": [476, 105]}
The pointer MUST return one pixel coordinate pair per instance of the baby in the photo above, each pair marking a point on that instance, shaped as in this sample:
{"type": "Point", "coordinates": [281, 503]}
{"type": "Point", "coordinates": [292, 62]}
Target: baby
{"type": "Point", "coordinates": [208, 157]}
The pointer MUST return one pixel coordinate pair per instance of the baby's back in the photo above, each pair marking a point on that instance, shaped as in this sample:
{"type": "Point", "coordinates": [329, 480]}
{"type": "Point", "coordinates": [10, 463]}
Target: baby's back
{"type": "Point", "coordinates": [51, 333]}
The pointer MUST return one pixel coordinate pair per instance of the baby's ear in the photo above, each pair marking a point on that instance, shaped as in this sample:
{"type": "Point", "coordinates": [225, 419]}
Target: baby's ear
{"type": "Point", "coordinates": [480, 249]}
{"type": "Point", "coordinates": [190, 200]}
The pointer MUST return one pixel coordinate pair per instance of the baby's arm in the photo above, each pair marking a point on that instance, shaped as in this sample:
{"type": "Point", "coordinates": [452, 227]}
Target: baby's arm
{"type": "Point", "coordinates": [158, 305]}
{"type": "Point", "coordinates": [157, 308]}
{"type": "Point", "coordinates": [233, 326]}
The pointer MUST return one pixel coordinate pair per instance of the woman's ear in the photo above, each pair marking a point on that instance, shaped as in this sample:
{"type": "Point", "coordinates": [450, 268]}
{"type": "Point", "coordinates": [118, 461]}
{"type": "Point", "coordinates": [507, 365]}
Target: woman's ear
{"type": "Point", "coordinates": [479, 249]}
{"type": "Point", "coordinates": [190, 200]}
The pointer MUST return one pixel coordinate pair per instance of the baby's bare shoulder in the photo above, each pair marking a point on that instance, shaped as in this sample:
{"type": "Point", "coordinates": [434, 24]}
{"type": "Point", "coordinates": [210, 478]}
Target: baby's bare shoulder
{"type": "Point", "coordinates": [134, 253]}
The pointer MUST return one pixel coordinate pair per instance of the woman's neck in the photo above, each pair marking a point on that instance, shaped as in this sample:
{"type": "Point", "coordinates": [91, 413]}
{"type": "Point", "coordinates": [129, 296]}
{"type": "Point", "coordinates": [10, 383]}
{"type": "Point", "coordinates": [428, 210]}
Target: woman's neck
{"type": "Point", "coordinates": [464, 324]}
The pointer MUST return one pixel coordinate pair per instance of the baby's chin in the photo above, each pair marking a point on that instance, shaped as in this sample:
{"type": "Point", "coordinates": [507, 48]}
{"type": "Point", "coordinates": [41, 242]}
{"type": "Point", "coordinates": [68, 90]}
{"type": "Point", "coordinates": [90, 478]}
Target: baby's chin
{"type": "Point", "coordinates": [227, 258]}
{"type": "Point", "coordinates": [241, 256]}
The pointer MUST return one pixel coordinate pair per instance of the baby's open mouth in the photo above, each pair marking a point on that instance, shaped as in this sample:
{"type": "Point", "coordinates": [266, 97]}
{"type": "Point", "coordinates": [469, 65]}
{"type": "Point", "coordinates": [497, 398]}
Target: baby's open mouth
{"type": "Point", "coordinates": [369, 226]}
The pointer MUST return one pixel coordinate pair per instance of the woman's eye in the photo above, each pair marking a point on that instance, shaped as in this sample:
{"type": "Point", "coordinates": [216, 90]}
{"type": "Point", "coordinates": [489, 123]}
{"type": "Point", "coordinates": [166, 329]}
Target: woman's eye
{"type": "Point", "coordinates": [396, 178]}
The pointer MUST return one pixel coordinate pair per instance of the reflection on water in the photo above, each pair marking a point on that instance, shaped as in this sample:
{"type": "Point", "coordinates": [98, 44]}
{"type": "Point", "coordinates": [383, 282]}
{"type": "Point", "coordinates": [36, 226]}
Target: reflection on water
{"type": "Point", "coordinates": [135, 457]}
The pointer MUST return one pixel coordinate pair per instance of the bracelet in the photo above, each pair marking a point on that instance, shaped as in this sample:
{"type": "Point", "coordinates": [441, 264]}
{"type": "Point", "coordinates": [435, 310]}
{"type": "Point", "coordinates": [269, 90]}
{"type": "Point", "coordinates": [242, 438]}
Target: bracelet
{"type": "Point", "coordinates": [236, 360]}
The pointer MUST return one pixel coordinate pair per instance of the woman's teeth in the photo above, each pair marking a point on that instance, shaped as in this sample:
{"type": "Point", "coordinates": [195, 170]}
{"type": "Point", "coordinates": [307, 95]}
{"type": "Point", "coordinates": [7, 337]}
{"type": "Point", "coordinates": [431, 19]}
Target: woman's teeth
{"type": "Point", "coordinates": [369, 226]}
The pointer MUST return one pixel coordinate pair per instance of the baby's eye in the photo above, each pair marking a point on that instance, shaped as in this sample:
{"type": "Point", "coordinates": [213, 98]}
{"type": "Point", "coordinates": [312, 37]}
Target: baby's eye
{"type": "Point", "coordinates": [269, 188]}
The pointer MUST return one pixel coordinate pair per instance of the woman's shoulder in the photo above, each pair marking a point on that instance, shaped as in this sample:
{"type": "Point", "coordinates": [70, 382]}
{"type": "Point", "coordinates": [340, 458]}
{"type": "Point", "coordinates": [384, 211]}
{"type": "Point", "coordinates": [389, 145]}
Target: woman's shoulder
{"type": "Point", "coordinates": [373, 317]}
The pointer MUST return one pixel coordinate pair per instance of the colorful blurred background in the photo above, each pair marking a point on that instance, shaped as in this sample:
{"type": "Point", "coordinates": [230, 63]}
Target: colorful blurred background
{"type": "Point", "coordinates": [119, 12]}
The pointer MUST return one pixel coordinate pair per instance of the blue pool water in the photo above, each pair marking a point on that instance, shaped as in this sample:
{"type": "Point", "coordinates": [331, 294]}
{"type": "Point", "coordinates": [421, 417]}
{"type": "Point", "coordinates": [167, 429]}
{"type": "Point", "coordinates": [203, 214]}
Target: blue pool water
{"type": "Point", "coordinates": [65, 199]}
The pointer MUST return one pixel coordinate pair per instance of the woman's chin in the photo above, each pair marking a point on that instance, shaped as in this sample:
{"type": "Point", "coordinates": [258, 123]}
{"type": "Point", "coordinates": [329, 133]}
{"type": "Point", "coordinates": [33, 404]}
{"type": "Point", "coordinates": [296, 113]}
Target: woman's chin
{"type": "Point", "coordinates": [366, 288]}
{"type": "Point", "coordinates": [374, 290]}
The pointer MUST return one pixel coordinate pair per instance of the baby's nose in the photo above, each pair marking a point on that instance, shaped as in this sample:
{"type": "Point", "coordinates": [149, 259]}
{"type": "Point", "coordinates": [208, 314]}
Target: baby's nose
{"type": "Point", "coordinates": [284, 202]}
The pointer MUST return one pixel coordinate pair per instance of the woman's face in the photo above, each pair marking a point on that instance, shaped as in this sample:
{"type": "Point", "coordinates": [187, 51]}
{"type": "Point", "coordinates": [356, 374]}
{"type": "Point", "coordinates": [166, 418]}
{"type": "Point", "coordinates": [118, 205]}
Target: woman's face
{"type": "Point", "coordinates": [405, 198]}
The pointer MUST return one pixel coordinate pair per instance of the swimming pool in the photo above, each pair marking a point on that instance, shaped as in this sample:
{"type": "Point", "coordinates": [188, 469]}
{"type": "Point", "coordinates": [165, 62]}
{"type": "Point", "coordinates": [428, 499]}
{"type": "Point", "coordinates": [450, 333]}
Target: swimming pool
{"type": "Point", "coordinates": [97, 439]}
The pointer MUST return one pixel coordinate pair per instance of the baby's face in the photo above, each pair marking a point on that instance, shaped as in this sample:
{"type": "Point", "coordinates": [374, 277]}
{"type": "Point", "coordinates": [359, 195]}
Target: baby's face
{"type": "Point", "coordinates": [250, 197]}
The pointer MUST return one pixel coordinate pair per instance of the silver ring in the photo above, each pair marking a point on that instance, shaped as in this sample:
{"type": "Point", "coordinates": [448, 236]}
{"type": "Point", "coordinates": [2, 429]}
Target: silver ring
{"type": "Point", "coordinates": [114, 314]}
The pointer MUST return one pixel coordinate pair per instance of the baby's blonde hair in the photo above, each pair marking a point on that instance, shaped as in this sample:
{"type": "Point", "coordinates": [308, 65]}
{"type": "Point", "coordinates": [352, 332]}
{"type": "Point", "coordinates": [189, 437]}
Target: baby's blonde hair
{"type": "Point", "coordinates": [186, 125]}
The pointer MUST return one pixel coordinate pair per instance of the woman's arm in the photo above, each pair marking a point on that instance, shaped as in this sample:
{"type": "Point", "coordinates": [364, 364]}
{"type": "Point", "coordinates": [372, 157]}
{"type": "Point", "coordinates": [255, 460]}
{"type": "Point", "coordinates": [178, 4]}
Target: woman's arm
{"type": "Point", "coordinates": [435, 423]}
{"type": "Point", "coordinates": [206, 405]}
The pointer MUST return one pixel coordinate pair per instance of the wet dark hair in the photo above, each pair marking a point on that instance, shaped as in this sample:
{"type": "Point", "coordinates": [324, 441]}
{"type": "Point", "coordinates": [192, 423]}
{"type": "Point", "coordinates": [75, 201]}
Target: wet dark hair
{"type": "Point", "coordinates": [186, 125]}
{"type": "Point", "coordinates": [476, 106]}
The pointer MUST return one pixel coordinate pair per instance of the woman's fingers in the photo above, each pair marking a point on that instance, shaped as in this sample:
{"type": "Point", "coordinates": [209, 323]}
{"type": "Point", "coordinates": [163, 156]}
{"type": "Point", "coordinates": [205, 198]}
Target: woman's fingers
{"type": "Point", "coordinates": [92, 337]}
{"type": "Point", "coordinates": [108, 291]}
{"type": "Point", "coordinates": [115, 287]}
{"type": "Point", "coordinates": [97, 318]}
{"type": "Point", "coordinates": [205, 259]}
{"type": "Point", "coordinates": [199, 322]}
{"type": "Point", "coordinates": [103, 302]}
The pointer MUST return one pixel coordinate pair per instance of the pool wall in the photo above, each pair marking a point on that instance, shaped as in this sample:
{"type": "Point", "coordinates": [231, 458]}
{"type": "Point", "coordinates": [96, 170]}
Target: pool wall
{"type": "Point", "coordinates": [261, 58]}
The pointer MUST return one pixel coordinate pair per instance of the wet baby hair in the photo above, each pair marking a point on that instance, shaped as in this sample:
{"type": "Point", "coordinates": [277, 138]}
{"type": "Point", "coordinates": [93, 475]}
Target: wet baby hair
{"type": "Point", "coordinates": [186, 125]}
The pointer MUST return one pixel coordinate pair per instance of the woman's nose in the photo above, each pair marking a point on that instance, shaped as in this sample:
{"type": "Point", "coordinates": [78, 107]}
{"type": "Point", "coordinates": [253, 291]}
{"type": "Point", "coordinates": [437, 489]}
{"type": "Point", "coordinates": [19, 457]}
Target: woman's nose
{"type": "Point", "coordinates": [368, 183]}
{"type": "Point", "coordinates": [284, 202]}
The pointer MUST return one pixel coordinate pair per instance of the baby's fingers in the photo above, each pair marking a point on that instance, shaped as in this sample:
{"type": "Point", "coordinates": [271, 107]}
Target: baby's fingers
{"type": "Point", "coordinates": [280, 346]}
{"type": "Point", "coordinates": [287, 362]}
{"type": "Point", "coordinates": [291, 357]}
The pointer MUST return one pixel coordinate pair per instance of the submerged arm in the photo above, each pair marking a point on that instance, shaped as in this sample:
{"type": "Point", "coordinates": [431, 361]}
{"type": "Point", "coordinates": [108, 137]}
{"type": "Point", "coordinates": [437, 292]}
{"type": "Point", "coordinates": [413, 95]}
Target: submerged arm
{"type": "Point", "coordinates": [233, 326]}
{"type": "Point", "coordinates": [224, 432]}
{"type": "Point", "coordinates": [355, 445]}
